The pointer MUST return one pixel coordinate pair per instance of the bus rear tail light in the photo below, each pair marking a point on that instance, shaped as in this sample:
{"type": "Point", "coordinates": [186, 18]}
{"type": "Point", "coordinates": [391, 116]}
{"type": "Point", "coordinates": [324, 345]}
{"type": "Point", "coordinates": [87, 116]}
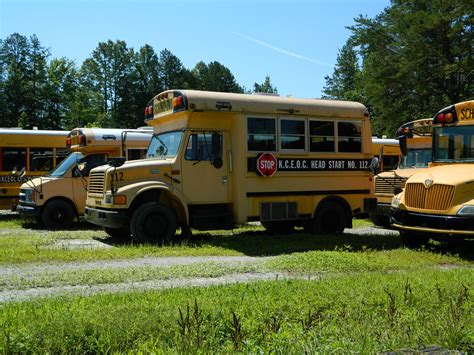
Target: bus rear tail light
{"type": "Point", "coordinates": [177, 102]}
{"type": "Point", "coordinates": [81, 140]}
{"type": "Point", "coordinates": [149, 111]}
{"type": "Point", "coordinates": [68, 142]}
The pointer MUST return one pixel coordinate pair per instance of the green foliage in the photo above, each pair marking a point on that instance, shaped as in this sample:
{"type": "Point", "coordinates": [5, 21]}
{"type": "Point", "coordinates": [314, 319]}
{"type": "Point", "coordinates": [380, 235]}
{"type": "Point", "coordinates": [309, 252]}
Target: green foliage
{"type": "Point", "coordinates": [265, 87]}
{"type": "Point", "coordinates": [356, 313]}
{"type": "Point", "coordinates": [416, 59]}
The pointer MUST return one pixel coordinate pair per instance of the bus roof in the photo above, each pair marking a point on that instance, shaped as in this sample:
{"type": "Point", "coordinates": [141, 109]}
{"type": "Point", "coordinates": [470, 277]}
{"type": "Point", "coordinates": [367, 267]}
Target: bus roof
{"type": "Point", "coordinates": [194, 100]}
{"type": "Point", "coordinates": [35, 132]}
{"type": "Point", "coordinates": [416, 128]}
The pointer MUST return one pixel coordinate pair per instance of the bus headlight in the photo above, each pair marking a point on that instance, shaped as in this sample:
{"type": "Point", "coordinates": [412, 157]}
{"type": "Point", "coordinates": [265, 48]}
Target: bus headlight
{"type": "Point", "coordinates": [467, 211]}
{"type": "Point", "coordinates": [395, 202]}
{"type": "Point", "coordinates": [27, 195]}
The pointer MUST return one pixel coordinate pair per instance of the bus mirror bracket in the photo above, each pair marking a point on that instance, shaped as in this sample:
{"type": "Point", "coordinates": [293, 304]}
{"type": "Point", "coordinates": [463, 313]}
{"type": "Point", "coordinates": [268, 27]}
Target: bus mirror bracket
{"type": "Point", "coordinates": [374, 166]}
{"type": "Point", "coordinates": [402, 140]}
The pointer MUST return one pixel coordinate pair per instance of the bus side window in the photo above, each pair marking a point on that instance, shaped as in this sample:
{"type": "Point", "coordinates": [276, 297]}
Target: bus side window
{"type": "Point", "coordinates": [204, 146]}
{"type": "Point", "coordinates": [135, 154]}
{"type": "Point", "coordinates": [90, 162]}
{"type": "Point", "coordinates": [41, 159]}
{"type": "Point", "coordinates": [13, 159]}
{"type": "Point", "coordinates": [261, 134]}
{"type": "Point", "coordinates": [321, 136]}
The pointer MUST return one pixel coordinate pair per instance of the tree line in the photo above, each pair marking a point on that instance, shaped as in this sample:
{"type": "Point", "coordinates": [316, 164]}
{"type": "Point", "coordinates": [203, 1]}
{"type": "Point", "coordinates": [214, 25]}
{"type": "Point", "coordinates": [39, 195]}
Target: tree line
{"type": "Point", "coordinates": [110, 88]}
{"type": "Point", "coordinates": [407, 63]}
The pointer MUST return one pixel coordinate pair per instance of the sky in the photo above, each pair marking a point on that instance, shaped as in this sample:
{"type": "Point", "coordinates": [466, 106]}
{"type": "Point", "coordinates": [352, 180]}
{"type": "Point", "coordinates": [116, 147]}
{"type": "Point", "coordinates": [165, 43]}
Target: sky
{"type": "Point", "coordinates": [295, 42]}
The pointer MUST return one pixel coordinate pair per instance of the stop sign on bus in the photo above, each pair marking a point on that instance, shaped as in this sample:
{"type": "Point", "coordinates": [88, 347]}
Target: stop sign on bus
{"type": "Point", "coordinates": [266, 164]}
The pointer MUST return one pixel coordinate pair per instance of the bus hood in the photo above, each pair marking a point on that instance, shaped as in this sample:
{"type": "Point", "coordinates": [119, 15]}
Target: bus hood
{"type": "Point", "coordinates": [452, 174]}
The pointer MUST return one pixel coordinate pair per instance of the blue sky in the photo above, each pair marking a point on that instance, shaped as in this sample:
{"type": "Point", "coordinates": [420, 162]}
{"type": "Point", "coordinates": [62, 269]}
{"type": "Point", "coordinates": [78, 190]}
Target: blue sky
{"type": "Point", "coordinates": [295, 42]}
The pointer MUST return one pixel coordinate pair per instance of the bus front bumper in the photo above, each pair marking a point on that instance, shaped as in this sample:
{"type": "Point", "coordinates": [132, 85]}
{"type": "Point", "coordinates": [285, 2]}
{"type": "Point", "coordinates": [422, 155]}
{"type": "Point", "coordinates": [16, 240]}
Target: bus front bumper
{"type": "Point", "coordinates": [105, 218]}
{"type": "Point", "coordinates": [29, 211]}
{"type": "Point", "coordinates": [420, 222]}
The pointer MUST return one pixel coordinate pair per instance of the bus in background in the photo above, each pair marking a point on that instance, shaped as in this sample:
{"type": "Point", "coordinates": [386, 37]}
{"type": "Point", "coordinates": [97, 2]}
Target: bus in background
{"type": "Point", "coordinates": [25, 154]}
{"type": "Point", "coordinates": [438, 202]}
{"type": "Point", "coordinates": [418, 141]}
{"type": "Point", "coordinates": [57, 198]}
{"type": "Point", "coordinates": [218, 159]}
{"type": "Point", "coordinates": [387, 151]}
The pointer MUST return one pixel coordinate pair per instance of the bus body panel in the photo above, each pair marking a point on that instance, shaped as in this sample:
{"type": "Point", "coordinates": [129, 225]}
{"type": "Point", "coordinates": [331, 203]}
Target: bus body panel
{"type": "Point", "coordinates": [230, 189]}
{"type": "Point", "coordinates": [38, 151]}
{"type": "Point", "coordinates": [438, 202]}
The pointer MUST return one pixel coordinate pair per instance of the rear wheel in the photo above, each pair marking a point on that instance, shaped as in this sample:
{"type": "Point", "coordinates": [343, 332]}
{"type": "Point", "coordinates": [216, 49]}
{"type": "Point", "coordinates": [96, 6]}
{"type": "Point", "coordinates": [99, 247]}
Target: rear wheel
{"type": "Point", "coordinates": [154, 223]}
{"type": "Point", "coordinates": [330, 218]}
{"type": "Point", "coordinates": [58, 214]}
{"type": "Point", "coordinates": [413, 239]}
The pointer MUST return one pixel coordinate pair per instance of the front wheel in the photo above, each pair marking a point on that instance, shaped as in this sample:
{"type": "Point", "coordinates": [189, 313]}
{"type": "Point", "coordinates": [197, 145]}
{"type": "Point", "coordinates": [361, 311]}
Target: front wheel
{"type": "Point", "coordinates": [153, 222]}
{"type": "Point", "coordinates": [58, 214]}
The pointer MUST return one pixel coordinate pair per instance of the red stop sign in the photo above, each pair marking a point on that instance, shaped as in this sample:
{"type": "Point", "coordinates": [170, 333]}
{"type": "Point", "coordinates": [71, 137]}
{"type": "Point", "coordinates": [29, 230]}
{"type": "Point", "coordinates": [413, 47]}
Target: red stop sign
{"type": "Point", "coordinates": [266, 164]}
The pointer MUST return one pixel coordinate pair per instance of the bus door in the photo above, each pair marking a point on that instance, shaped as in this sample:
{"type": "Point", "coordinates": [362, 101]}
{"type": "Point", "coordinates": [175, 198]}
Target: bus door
{"type": "Point", "coordinates": [205, 174]}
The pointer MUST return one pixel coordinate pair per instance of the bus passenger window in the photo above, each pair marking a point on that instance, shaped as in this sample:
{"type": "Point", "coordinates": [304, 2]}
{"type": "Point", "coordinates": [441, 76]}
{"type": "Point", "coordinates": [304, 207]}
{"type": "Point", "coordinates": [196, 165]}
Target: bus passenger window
{"type": "Point", "coordinates": [321, 135]}
{"type": "Point", "coordinates": [13, 158]}
{"type": "Point", "coordinates": [41, 159]}
{"type": "Point", "coordinates": [292, 134]}
{"type": "Point", "coordinates": [349, 136]}
{"type": "Point", "coordinates": [261, 134]}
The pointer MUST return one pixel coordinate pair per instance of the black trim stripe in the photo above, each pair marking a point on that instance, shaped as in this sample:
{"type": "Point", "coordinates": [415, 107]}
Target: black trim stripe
{"type": "Point", "coordinates": [308, 193]}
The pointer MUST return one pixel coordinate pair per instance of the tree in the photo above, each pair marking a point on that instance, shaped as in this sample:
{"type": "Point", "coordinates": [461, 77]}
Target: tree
{"type": "Point", "coordinates": [172, 73]}
{"type": "Point", "coordinates": [266, 87]}
{"type": "Point", "coordinates": [215, 77]}
{"type": "Point", "coordinates": [417, 58]}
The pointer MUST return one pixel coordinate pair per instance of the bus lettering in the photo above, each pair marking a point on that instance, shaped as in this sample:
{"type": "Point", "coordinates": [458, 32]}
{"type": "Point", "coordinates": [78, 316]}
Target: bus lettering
{"type": "Point", "coordinates": [467, 114]}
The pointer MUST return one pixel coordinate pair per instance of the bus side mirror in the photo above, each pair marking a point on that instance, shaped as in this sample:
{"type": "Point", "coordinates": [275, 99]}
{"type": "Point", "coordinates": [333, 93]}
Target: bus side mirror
{"type": "Point", "coordinates": [402, 141]}
{"type": "Point", "coordinates": [22, 172]}
{"type": "Point", "coordinates": [217, 162]}
{"type": "Point", "coordinates": [374, 166]}
{"type": "Point", "coordinates": [116, 162]}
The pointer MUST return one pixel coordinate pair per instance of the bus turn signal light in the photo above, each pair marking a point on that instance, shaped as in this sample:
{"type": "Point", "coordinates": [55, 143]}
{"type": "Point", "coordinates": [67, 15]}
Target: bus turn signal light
{"type": "Point", "coordinates": [120, 200]}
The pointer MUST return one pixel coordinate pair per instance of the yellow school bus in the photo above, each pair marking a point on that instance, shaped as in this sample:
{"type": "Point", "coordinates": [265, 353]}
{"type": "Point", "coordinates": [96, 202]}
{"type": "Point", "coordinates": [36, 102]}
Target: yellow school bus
{"type": "Point", "coordinates": [417, 137]}
{"type": "Point", "coordinates": [387, 151]}
{"type": "Point", "coordinates": [438, 202]}
{"type": "Point", "coordinates": [57, 198]}
{"type": "Point", "coordinates": [25, 154]}
{"type": "Point", "coordinates": [219, 159]}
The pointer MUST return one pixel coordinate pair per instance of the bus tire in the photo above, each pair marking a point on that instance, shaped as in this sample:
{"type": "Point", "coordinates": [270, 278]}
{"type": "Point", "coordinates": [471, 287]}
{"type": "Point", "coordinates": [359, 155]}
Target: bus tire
{"type": "Point", "coordinates": [330, 218]}
{"type": "Point", "coordinates": [118, 233]}
{"type": "Point", "coordinates": [413, 239]}
{"type": "Point", "coordinates": [58, 214]}
{"type": "Point", "coordinates": [153, 222]}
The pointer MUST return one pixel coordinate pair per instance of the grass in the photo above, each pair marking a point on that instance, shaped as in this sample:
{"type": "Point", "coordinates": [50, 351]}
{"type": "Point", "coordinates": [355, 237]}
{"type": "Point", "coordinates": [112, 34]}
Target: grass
{"type": "Point", "coordinates": [358, 313]}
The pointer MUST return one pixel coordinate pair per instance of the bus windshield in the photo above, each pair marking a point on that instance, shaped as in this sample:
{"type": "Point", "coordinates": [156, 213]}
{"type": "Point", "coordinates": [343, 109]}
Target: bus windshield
{"type": "Point", "coordinates": [453, 144]}
{"type": "Point", "coordinates": [164, 145]}
{"type": "Point", "coordinates": [415, 158]}
{"type": "Point", "coordinates": [66, 164]}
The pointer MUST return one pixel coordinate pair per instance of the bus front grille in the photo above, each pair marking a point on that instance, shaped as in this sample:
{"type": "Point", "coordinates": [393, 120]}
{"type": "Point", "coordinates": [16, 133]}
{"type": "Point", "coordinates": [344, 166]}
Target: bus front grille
{"type": "Point", "coordinates": [96, 183]}
{"type": "Point", "coordinates": [437, 198]}
{"type": "Point", "coordinates": [387, 185]}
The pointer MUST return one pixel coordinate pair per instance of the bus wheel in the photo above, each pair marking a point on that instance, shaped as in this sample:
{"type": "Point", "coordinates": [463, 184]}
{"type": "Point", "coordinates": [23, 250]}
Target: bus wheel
{"type": "Point", "coordinates": [58, 214]}
{"type": "Point", "coordinates": [118, 233]}
{"type": "Point", "coordinates": [330, 218]}
{"type": "Point", "coordinates": [153, 222]}
{"type": "Point", "coordinates": [413, 239]}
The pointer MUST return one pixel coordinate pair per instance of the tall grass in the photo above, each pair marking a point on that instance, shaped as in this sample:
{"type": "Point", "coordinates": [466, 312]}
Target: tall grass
{"type": "Point", "coordinates": [357, 313]}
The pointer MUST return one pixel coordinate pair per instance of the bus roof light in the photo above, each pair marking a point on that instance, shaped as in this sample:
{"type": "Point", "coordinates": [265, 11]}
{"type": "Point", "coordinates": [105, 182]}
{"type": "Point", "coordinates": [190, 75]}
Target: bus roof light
{"type": "Point", "coordinates": [448, 117]}
{"type": "Point", "coordinates": [440, 118]}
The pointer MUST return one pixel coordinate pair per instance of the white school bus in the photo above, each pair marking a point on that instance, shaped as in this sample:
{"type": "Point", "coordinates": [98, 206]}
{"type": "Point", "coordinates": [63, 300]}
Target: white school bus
{"type": "Point", "coordinates": [217, 159]}
{"type": "Point", "coordinates": [26, 154]}
{"type": "Point", "coordinates": [417, 138]}
{"type": "Point", "coordinates": [57, 198]}
{"type": "Point", "coordinates": [438, 202]}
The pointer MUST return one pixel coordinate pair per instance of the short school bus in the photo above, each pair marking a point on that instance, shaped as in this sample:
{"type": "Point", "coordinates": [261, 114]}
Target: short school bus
{"type": "Point", "coordinates": [25, 154]}
{"type": "Point", "coordinates": [438, 203]}
{"type": "Point", "coordinates": [417, 136]}
{"type": "Point", "coordinates": [57, 198]}
{"type": "Point", "coordinates": [218, 159]}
